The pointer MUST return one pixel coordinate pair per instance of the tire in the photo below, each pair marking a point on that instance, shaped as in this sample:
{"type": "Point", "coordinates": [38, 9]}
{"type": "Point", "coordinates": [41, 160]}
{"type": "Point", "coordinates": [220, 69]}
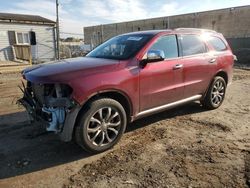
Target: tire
{"type": "Point", "coordinates": [101, 125]}
{"type": "Point", "coordinates": [215, 94]}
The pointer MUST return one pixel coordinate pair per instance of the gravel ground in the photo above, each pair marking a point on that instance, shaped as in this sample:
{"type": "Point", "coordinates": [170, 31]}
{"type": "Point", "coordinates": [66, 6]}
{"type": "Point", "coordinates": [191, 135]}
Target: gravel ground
{"type": "Point", "coordinates": [183, 147]}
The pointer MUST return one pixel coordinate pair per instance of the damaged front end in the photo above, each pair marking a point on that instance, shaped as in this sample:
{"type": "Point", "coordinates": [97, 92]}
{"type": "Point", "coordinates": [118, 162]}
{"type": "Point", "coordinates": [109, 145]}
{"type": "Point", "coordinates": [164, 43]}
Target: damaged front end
{"type": "Point", "coordinates": [50, 103]}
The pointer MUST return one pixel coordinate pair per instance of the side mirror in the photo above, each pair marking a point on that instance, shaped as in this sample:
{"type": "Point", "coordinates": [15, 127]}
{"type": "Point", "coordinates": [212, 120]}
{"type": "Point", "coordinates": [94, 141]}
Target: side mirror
{"type": "Point", "coordinates": [152, 56]}
{"type": "Point", "coordinates": [155, 55]}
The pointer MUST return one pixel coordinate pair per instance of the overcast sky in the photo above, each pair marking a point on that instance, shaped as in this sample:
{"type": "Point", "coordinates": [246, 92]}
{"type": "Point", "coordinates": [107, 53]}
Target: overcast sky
{"type": "Point", "coordinates": [75, 14]}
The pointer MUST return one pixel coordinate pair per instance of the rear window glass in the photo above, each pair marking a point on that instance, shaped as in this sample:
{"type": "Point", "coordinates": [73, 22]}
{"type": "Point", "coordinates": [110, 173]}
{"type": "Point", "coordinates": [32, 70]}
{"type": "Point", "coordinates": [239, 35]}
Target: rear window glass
{"type": "Point", "coordinates": [192, 44]}
{"type": "Point", "coordinates": [217, 43]}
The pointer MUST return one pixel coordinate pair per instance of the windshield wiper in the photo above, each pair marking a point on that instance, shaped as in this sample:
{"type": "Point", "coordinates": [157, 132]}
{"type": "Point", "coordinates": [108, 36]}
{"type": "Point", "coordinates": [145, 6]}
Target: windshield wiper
{"type": "Point", "coordinates": [106, 57]}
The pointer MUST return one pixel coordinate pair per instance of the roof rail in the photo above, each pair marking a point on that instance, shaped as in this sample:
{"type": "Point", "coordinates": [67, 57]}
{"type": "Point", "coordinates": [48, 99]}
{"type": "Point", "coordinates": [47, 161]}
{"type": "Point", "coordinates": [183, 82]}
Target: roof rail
{"type": "Point", "coordinates": [195, 29]}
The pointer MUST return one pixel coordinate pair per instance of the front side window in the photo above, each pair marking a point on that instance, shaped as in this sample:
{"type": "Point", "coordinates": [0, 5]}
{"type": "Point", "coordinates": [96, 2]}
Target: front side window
{"type": "Point", "coordinates": [168, 44]}
{"type": "Point", "coordinates": [192, 44]}
{"type": "Point", "coordinates": [22, 38]}
{"type": "Point", "coordinates": [217, 43]}
{"type": "Point", "coordinates": [121, 47]}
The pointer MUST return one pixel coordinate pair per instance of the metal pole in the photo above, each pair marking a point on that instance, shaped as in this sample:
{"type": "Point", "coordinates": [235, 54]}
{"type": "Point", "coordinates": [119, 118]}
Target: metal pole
{"type": "Point", "coordinates": [102, 32]}
{"type": "Point", "coordinates": [57, 31]}
{"type": "Point", "coordinates": [168, 23]}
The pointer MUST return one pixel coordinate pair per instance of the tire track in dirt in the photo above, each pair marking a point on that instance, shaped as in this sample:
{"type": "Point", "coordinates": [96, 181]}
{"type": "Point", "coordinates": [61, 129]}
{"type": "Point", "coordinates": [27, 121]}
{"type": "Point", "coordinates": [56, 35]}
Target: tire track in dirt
{"type": "Point", "coordinates": [156, 157]}
{"type": "Point", "coordinates": [183, 147]}
{"type": "Point", "coordinates": [247, 167]}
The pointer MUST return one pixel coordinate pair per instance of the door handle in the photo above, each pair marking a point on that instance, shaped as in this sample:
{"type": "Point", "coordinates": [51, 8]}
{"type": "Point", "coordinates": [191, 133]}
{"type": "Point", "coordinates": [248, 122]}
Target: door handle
{"type": "Point", "coordinates": [177, 66]}
{"type": "Point", "coordinates": [212, 60]}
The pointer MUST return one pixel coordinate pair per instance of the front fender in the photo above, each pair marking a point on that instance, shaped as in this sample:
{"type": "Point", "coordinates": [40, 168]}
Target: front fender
{"type": "Point", "coordinates": [67, 132]}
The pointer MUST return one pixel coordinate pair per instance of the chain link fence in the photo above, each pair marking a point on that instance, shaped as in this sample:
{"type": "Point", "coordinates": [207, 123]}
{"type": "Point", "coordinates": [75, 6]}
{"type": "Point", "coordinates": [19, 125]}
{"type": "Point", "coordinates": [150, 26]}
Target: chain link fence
{"type": "Point", "coordinates": [73, 49]}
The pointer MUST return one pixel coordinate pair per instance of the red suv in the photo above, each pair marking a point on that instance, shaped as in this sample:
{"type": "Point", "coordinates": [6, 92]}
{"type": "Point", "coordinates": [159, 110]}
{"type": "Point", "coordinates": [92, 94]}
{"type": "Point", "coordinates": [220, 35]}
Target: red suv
{"type": "Point", "coordinates": [130, 76]}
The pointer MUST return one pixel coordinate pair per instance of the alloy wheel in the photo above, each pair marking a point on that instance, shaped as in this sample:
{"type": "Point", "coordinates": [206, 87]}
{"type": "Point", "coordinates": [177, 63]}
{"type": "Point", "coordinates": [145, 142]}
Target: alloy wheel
{"type": "Point", "coordinates": [103, 127]}
{"type": "Point", "coordinates": [218, 92]}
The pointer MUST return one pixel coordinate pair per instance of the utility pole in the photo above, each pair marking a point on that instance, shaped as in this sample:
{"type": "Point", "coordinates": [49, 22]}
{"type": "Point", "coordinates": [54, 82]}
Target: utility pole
{"type": "Point", "coordinates": [102, 33]}
{"type": "Point", "coordinates": [168, 23]}
{"type": "Point", "coordinates": [57, 32]}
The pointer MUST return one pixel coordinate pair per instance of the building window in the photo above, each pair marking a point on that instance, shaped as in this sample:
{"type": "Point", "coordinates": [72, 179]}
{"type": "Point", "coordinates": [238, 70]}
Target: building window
{"type": "Point", "coordinates": [22, 38]}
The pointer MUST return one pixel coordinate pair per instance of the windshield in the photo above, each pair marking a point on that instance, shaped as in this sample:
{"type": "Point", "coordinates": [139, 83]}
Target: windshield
{"type": "Point", "coordinates": [121, 47]}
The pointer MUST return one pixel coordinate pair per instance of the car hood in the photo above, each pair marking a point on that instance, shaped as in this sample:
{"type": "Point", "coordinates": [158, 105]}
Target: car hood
{"type": "Point", "coordinates": [64, 70]}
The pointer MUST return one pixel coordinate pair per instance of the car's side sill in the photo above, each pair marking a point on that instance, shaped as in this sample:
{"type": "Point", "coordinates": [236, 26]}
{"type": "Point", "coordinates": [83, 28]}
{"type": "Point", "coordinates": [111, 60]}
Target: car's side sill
{"type": "Point", "coordinates": [167, 106]}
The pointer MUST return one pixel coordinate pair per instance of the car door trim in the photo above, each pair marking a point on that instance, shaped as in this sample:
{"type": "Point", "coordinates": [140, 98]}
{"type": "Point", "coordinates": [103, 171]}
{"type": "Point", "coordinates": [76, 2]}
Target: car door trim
{"type": "Point", "coordinates": [168, 106]}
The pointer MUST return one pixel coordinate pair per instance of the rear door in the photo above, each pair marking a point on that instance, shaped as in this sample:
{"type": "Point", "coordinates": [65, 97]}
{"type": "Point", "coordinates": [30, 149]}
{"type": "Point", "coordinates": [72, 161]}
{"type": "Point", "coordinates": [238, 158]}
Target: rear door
{"type": "Point", "coordinates": [161, 82]}
{"type": "Point", "coordinates": [198, 64]}
{"type": "Point", "coordinates": [222, 53]}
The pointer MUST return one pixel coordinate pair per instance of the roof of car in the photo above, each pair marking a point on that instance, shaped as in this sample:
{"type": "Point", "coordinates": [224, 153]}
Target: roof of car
{"type": "Point", "coordinates": [177, 30]}
{"type": "Point", "coordinates": [148, 32]}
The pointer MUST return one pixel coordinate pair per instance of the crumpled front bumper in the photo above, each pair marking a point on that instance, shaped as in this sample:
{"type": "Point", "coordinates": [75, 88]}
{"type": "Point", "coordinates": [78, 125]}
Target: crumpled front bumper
{"type": "Point", "coordinates": [58, 114]}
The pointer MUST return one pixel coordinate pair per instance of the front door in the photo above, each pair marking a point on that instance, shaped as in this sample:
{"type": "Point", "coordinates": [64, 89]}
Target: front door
{"type": "Point", "coordinates": [162, 82]}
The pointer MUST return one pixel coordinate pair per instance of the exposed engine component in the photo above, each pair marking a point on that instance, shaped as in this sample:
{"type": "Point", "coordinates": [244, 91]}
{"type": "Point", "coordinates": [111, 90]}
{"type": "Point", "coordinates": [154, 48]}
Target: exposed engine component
{"type": "Point", "coordinates": [56, 117]}
{"type": "Point", "coordinates": [56, 114]}
{"type": "Point", "coordinates": [49, 102]}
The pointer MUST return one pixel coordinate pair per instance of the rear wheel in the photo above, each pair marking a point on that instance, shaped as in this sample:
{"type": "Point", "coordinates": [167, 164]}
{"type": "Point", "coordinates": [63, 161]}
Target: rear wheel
{"type": "Point", "coordinates": [101, 125]}
{"type": "Point", "coordinates": [215, 94]}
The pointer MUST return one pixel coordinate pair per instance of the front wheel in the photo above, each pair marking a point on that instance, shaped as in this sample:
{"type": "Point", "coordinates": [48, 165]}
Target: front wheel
{"type": "Point", "coordinates": [101, 125]}
{"type": "Point", "coordinates": [215, 94]}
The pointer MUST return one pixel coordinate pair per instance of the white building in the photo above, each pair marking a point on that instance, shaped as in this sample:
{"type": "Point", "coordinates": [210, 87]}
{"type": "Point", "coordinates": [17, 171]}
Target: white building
{"type": "Point", "coordinates": [30, 31]}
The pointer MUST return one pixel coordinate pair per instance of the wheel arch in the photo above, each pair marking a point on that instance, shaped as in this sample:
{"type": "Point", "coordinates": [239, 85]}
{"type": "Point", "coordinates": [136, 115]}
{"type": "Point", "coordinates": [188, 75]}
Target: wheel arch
{"type": "Point", "coordinates": [206, 101]}
{"type": "Point", "coordinates": [222, 74]}
{"type": "Point", "coordinates": [115, 94]}
{"type": "Point", "coordinates": [69, 127]}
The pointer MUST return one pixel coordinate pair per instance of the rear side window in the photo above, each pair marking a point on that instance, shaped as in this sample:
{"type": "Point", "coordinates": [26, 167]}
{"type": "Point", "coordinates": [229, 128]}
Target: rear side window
{"type": "Point", "coordinates": [168, 44]}
{"type": "Point", "coordinates": [217, 43]}
{"type": "Point", "coordinates": [192, 44]}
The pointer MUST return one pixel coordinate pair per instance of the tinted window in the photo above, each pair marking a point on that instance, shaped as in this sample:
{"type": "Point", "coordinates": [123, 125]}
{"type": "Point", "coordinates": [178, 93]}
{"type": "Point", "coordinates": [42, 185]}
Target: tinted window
{"type": "Point", "coordinates": [121, 47]}
{"type": "Point", "coordinates": [168, 45]}
{"type": "Point", "coordinates": [217, 43]}
{"type": "Point", "coordinates": [192, 44]}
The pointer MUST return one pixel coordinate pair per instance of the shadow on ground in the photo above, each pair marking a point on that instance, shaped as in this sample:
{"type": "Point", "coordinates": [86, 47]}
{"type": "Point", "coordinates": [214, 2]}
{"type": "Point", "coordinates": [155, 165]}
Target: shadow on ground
{"type": "Point", "coordinates": [25, 148]}
{"type": "Point", "coordinates": [13, 119]}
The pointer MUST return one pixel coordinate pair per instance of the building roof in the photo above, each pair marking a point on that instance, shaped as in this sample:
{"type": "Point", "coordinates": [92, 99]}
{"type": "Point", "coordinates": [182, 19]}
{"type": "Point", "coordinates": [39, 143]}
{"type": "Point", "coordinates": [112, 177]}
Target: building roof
{"type": "Point", "coordinates": [23, 18]}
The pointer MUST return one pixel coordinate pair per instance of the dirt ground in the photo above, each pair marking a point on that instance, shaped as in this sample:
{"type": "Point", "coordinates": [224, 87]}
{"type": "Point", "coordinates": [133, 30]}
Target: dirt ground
{"type": "Point", "coordinates": [183, 147]}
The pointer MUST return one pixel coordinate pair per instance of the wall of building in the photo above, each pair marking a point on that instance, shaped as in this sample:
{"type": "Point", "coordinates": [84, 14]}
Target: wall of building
{"type": "Point", "coordinates": [233, 23]}
{"type": "Point", "coordinates": [43, 51]}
